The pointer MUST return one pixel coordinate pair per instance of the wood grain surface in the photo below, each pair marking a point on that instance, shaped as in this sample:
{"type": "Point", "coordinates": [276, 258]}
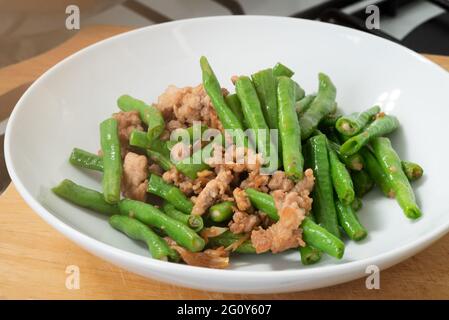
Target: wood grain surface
{"type": "Point", "coordinates": [34, 257]}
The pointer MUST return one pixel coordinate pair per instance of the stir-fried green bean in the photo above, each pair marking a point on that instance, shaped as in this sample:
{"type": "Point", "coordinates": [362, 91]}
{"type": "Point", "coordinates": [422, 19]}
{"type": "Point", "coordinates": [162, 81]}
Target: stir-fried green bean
{"type": "Point", "coordinates": [310, 255]}
{"type": "Point", "coordinates": [355, 122]}
{"type": "Point", "coordinates": [136, 230]}
{"type": "Point", "coordinates": [349, 222]}
{"type": "Point", "coordinates": [84, 197]}
{"type": "Point", "coordinates": [391, 164]}
{"type": "Point", "coordinates": [357, 204]}
{"type": "Point", "coordinates": [412, 170]}
{"type": "Point", "coordinates": [289, 128]}
{"type": "Point", "coordinates": [170, 193]}
{"type": "Point", "coordinates": [341, 179]}
{"type": "Point", "coordinates": [353, 162]}
{"type": "Point", "coordinates": [280, 70]}
{"type": "Point", "coordinates": [194, 222]}
{"type": "Point", "coordinates": [322, 105]}
{"type": "Point", "coordinates": [149, 114]}
{"type": "Point", "coordinates": [221, 212]}
{"type": "Point", "coordinates": [252, 109]}
{"type": "Point", "coordinates": [323, 195]}
{"type": "Point", "coordinates": [112, 160]}
{"type": "Point", "coordinates": [304, 104]}
{"type": "Point", "coordinates": [233, 101]}
{"type": "Point", "coordinates": [381, 126]}
{"type": "Point", "coordinates": [227, 118]}
{"type": "Point", "coordinates": [85, 159]}
{"type": "Point", "coordinates": [150, 215]}
{"type": "Point", "coordinates": [265, 83]}
{"type": "Point", "coordinates": [376, 172]}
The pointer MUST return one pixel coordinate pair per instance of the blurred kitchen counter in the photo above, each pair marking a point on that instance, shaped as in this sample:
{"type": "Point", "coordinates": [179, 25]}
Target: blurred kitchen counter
{"type": "Point", "coordinates": [34, 256]}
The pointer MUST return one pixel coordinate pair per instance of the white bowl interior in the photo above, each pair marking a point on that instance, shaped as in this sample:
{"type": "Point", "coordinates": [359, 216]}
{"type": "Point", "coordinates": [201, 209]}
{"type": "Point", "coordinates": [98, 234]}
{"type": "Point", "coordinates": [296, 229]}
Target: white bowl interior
{"type": "Point", "coordinates": [63, 109]}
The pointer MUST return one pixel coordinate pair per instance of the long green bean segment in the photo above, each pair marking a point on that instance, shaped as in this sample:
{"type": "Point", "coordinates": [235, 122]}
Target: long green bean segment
{"type": "Point", "coordinates": [170, 193]}
{"type": "Point", "coordinates": [322, 105]}
{"type": "Point", "coordinates": [310, 255]}
{"type": "Point", "coordinates": [313, 234]}
{"type": "Point", "coordinates": [136, 230]}
{"type": "Point", "coordinates": [323, 195]}
{"type": "Point", "coordinates": [362, 182]}
{"type": "Point", "coordinates": [194, 222]}
{"type": "Point", "coordinates": [139, 139]}
{"type": "Point", "coordinates": [221, 212]}
{"type": "Point", "coordinates": [412, 170]}
{"type": "Point", "coordinates": [391, 164]}
{"type": "Point", "coordinates": [149, 114]}
{"type": "Point", "coordinates": [304, 104]}
{"type": "Point", "coordinates": [355, 122]}
{"type": "Point", "coordinates": [379, 127]}
{"type": "Point", "coordinates": [299, 92]}
{"type": "Point", "coordinates": [289, 129]}
{"type": "Point", "coordinates": [233, 101]}
{"type": "Point", "coordinates": [349, 222]}
{"type": "Point", "coordinates": [341, 179]}
{"type": "Point", "coordinates": [252, 109]}
{"type": "Point", "coordinates": [227, 118]}
{"type": "Point", "coordinates": [112, 160]}
{"type": "Point", "coordinates": [84, 197]}
{"type": "Point", "coordinates": [376, 173]}
{"type": "Point", "coordinates": [85, 159]}
{"type": "Point", "coordinates": [227, 239]}
{"type": "Point", "coordinates": [353, 162]}
{"type": "Point", "coordinates": [160, 159]}
{"type": "Point", "coordinates": [280, 70]}
{"type": "Point", "coordinates": [148, 214]}
{"type": "Point", "coordinates": [265, 84]}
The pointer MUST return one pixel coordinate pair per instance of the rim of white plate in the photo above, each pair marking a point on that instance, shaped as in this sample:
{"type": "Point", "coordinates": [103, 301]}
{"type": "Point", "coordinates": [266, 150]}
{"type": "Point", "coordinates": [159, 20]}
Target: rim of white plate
{"type": "Point", "coordinates": [92, 244]}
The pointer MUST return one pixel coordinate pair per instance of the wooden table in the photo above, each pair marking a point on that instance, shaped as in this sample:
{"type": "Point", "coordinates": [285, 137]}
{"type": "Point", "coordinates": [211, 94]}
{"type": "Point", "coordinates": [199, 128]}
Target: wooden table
{"type": "Point", "coordinates": [34, 257]}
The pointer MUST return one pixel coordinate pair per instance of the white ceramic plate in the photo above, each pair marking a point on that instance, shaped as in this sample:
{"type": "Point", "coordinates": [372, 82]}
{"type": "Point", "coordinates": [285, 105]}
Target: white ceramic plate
{"type": "Point", "coordinates": [64, 107]}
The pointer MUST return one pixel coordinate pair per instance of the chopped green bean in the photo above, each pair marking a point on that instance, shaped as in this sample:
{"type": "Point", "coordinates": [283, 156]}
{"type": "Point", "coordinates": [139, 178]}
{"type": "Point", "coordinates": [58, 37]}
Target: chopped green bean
{"type": "Point", "coordinates": [265, 84]}
{"type": "Point", "coordinates": [148, 214]}
{"type": "Point", "coordinates": [322, 105]}
{"type": "Point", "coordinates": [412, 170]}
{"type": "Point", "coordinates": [170, 193]}
{"type": "Point", "coordinates": [228, 238]}
{"type": "Point", "coordinates": [355, 122]}
{"type": "Point", "coordinates": [349, 222]}
{"type": "Point", "coordinates": [194, 222]}
{"type": "Point", "coordinates": [84, 197]}
{"type": "Point", "coordinates": [304, 104]}
{"type": "Point", "coordinates": [391, 164]}
{"type": "Point", "coordinates": [376, 172]}
{"type": "Point", "coordinates": [136, 230]}
{"type": "Point", "coordinates": [112, 160]}
{"type": "Point", "coordinates": [341, 179]}
{"type": "Point", "coordinates": [323, 195]}
{"type": "Point", "coordinates": [233, 101]}
{"type": "Point", "coordinates": [379, 127]}
{"type": "Point", "coordinates": [289, 128]}
{"type": "Point", "coordinates": [221, 212]}
{"type": "Point", "coordinates": [280, 70]}
{"type": "Point", "coordinates": [85, 159]}
{"type": "Point", "coordinates": [149, 114]}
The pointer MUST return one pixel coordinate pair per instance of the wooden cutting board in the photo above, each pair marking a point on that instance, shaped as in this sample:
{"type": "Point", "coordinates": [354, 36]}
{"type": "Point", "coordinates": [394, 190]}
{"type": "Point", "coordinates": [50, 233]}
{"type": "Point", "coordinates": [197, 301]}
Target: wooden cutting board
{"type": "Point", "coordinates": [34, 257]}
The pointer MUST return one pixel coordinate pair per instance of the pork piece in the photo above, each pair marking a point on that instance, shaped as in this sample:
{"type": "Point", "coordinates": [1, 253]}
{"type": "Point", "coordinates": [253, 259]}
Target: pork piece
{"type": "Point", "coordinates": [241, 199]}
{"type": "Point", "coordinates": [243, 222]}
{"type": "Point", "coordinates": [307, 182]}
{"type": "Point", "coordinates": [213, 190]}
{"type": "Point", "coordinates": [188, 104]}
{"type": "Point", "coordinates": [279, 181]}
{"type": "Point", "coordinates": [185, 184]}
{"type": "Point", "coordinates": [135, 173]}
{"type": "Point", "coordinates": [284, 234]}
{"type": "Point", "coordinates": [256, 181]}
{"type": "Point", "coordinates": [127, 122]}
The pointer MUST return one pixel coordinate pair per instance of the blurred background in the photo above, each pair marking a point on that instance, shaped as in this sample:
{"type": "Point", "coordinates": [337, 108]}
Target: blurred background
{"type": "Point", "coordinates": [30, 27]}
